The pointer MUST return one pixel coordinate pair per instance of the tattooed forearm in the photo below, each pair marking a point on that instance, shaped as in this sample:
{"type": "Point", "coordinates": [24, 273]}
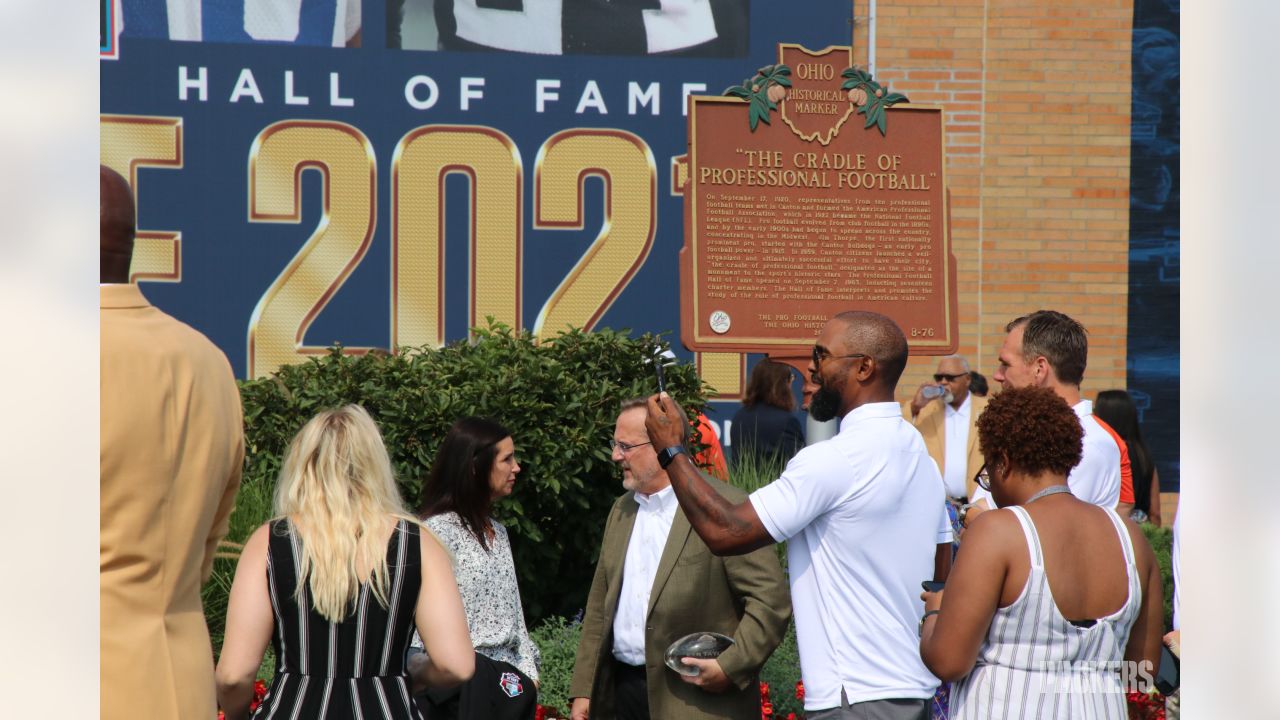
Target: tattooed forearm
{"type": "Point", "coordinates": [720, 523]}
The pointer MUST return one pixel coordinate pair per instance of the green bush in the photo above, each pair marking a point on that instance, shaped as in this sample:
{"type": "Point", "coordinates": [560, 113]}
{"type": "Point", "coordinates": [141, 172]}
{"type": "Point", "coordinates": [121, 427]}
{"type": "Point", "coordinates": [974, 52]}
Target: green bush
{"type": "Point", "coordinates": [1161, 540]}
{"type": "Point", "coordinates": [559, 397]}
{"type": "Point", "coordinates": [781, 672]}
{"type": "Point", "coordinates": [253, 507]}
{"type": "Point", "coordinates": [557, 639]}
{"type": "Point", "coordinates": [750, 473]}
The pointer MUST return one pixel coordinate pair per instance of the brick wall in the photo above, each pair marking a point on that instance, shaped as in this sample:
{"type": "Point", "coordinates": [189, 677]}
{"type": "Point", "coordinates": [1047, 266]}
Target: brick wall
{"type": "Point", "coordinates": [1037, 101]}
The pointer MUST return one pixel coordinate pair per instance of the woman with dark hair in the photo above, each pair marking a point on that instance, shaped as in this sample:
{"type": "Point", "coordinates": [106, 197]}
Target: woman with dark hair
{"type": "Point", "coordinates": [765, 429]}
{"type": "Point", "coordinates": [1116, 408]}
{"type": "Point", "coordinates": [1049, 593]}
{"type": "Point", "coordinates": [977, 383]}
{"type": "Point", "coordinates": [476, 466]}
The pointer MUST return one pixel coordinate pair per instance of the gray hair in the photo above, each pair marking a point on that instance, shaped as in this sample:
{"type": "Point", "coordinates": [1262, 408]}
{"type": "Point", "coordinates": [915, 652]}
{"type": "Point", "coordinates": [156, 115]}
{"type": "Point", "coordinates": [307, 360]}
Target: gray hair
{"type": "Point", "coordinates": [642, 403]}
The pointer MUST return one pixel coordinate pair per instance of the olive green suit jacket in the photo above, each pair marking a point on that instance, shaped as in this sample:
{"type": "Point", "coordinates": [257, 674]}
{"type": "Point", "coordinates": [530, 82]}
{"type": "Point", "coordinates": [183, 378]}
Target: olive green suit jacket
{"type": "Point", "coordinates": [745, 597]}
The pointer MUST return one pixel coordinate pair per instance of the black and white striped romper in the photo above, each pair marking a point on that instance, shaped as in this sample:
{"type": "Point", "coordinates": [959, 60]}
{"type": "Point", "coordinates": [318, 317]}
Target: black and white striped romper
{"type": "Point", "coordinates": [352, 669]}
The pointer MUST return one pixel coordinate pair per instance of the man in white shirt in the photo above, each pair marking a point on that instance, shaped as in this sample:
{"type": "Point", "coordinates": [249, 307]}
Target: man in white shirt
{"type": "Point", "coordinates": [947, 423]}
{"type": "Point", "coordinates": [864, 515]}
{"type": "Point", "coordinates": [656, 582]}
{"type": "Point", "coordinates": [1050, 349]}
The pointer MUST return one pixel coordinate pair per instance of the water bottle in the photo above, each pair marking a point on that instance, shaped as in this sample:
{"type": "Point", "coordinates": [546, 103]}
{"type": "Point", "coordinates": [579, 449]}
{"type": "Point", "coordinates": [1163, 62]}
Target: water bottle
{"type": "Point", "coordinates": [933, 391]}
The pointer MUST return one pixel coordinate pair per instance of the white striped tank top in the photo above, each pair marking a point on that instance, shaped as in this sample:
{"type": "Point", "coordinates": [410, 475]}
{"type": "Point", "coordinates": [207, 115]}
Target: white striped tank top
{"type": "Point", "coordinates": [1035, 664]}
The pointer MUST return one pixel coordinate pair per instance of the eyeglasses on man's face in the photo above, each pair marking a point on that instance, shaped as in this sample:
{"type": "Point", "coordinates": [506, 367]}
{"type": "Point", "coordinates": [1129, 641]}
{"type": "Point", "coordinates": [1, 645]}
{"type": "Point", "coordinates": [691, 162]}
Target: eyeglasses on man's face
{"type": "Point", "coordinates": [820, 353]}
{"type": "Point", "coordinates": [625, 448]}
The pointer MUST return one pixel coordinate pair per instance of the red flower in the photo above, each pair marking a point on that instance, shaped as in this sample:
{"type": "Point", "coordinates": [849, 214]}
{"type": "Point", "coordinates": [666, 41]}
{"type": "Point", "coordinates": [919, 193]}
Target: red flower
{"type": "Point", "coordinates": [259, 692]}
{"type": "Point", "coordinates": [766, 707]}
{"type": "Point", "coordinates": [791, 716]}
{"type": "Point", "coordinates": [1143, 706]}
{"type": "Point", "coordinates": [540, 713]}
{"type": "Point", "coordinates": [800, 690]}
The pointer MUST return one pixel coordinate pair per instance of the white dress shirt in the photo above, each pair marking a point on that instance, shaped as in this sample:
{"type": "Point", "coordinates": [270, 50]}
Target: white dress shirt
{"type": "Point", "coordinates": [644, 550]}
{"type": "Point", "coordinates": [863, 514]}
{"type": "Point", "coordinates": [955, 447]}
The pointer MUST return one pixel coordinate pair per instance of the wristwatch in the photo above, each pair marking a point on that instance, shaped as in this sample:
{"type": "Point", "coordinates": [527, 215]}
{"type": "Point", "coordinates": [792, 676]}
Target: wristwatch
{"type": "Point", "coordinates": [666, 455]}
{"type": "Point", "coordinates": [963, 513]}
{"type": "Point", "coordinates": [920, 628]}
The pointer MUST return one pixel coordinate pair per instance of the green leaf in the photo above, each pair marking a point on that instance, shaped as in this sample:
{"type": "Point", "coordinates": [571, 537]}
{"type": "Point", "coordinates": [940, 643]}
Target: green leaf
{"type": "Point", "coordinates": [871, 114]}
{"type": "Point", "coordinates": [880, 119]}
{"type": "Point", "coordinates": [736, 91]}
{"type": "Point", "coordinates": [894, 97]}
{"type": "Point", "coordinates": [759, 110]}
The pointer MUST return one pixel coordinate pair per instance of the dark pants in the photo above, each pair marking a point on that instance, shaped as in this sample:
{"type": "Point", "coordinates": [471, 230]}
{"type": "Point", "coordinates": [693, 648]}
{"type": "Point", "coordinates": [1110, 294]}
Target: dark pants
{"type": "Point", "coordinates": [631, 691]}
{"type": "Point", "coordinates": [488, 694]}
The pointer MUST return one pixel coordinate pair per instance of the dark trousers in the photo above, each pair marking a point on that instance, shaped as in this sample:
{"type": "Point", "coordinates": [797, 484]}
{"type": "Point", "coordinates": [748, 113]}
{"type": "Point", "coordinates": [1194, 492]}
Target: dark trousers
{"type": "Point", "coordinates": [487, 695]}
{"type": "Point", "coordinates": [630, 691]}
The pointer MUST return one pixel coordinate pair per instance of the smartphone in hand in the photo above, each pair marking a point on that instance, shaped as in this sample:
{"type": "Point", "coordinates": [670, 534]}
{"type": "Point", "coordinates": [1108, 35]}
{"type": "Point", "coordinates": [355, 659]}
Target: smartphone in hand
{"type": "Point", "coordinates": [657, 369]}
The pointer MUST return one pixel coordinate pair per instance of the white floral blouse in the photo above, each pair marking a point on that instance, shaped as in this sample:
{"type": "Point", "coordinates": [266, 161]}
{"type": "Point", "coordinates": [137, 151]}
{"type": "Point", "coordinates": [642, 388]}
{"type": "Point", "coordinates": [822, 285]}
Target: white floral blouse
{"type": "Point", "coordinates": [490, 595]}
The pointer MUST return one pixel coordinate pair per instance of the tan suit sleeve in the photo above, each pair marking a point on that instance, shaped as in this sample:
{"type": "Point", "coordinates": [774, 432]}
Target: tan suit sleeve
{"type": "Point", "coordinates": [222, 518]}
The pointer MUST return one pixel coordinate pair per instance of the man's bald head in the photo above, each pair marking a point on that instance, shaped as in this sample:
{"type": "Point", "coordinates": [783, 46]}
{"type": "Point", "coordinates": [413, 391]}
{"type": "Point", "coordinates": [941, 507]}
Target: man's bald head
{"type": "Point", "coordinates": [881, 338]}
{"type": "Point", "coordinates": [116, 226]}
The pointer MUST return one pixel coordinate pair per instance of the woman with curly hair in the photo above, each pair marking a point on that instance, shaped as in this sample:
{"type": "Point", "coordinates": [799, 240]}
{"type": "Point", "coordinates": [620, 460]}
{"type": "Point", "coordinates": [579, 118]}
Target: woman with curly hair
{"type": "Point", "coordinates": [337, 583]}
{"type": "Point", "coordinates": [1048, 594]}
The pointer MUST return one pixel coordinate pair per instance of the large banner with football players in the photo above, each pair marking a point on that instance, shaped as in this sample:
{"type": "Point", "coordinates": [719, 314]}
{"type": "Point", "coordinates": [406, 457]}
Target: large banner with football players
{"type": "Point", "coordinates": [389, 173]}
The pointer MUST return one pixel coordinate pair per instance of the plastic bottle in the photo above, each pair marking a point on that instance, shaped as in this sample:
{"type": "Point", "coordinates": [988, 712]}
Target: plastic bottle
{"type": "Point", "coordinates": [934, 391]}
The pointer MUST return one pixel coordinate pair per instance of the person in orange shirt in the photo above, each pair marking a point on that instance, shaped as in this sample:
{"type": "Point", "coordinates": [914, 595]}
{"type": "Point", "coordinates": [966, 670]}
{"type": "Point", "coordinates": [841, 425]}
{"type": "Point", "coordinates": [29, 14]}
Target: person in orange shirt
{"type": "Point", "coordinates": [712, 458]}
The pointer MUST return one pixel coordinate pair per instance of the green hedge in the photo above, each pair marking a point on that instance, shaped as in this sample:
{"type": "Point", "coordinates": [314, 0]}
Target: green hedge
{"type": "Point", "coordinates": [557, 640]}
{"type": "Point", "coordinates": [559, 397]}
{"type": "Point", "coordinates": [1161, 539]}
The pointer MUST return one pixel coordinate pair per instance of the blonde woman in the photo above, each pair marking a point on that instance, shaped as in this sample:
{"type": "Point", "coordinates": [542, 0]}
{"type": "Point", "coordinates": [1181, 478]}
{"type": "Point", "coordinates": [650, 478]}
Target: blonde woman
{"type": "Point", "coordinates": [337, 583]}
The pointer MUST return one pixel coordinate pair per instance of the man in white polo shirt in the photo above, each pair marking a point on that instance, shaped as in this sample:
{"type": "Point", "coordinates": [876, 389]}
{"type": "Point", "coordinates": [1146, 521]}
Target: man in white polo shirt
{"type": "Point", "coordinates": [1050, 349]}
{"type": "Point", "coordinates": [864, 515]}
